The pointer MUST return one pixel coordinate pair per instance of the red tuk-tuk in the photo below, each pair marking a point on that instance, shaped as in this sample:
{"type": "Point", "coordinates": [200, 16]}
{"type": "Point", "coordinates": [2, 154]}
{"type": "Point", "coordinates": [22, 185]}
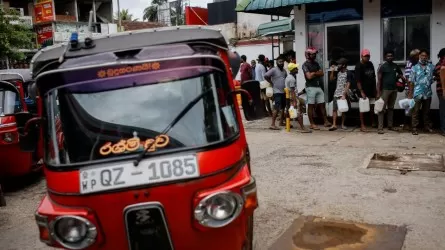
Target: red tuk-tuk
{"type": "Point", "coordinates": [145, 147]}
{"type": "Point", "coordinates": [16, 107]}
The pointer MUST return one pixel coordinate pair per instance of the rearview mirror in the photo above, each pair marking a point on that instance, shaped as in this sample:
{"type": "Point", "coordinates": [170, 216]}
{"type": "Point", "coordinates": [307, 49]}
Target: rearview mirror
{"type": "Point", "coordinates": [243, 92]}
{"type": "Point", "coordinates": [28, 127]}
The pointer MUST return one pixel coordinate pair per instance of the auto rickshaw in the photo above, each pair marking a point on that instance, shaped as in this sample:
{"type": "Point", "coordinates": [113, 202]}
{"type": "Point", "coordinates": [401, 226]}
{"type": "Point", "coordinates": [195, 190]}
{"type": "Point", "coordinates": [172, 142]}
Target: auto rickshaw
{"type": "Point", "coordinates": [145, 147]}
{"type": "Point", "coordinates": [14, 100]}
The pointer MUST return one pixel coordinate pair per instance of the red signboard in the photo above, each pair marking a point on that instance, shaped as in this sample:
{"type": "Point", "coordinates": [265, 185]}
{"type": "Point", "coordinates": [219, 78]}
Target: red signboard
{"type": "Point", "coordinates": [196, 16]}
{"type": "Point", "coordinates": [44, 33]}
{"type": "Point", "coordinates": [43, 10]}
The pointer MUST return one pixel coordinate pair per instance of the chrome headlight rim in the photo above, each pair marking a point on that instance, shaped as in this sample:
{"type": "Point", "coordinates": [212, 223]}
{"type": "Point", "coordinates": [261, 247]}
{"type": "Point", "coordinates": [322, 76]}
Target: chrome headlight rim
{"type": "Point", "coordinates": [204, 219]}
{"type": "Point", "coordinates": [88, 240]}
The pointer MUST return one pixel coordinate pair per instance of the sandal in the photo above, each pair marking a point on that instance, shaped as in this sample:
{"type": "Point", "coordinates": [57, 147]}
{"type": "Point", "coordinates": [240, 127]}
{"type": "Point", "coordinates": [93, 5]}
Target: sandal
{"type": "Point", "coordinates": [363, 130]}
{"type": "Point", "coordinates": [315, 128]}
{"type": "Point", "coordinates": [274, 128]}
{"type": "Point", "coordinates": [415, 132]}
{"type": "Point", "coordinates": [332, 128]}
{"type": "Point", "coordinates": [305, 131]}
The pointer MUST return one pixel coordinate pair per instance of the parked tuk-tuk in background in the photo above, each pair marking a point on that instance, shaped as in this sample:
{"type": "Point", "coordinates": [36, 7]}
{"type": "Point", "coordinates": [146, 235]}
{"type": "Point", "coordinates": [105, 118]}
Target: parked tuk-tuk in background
{"type": "Point", "coordinates": [145, 146]}
{"type": "Point", "coordinates": [17, 107]}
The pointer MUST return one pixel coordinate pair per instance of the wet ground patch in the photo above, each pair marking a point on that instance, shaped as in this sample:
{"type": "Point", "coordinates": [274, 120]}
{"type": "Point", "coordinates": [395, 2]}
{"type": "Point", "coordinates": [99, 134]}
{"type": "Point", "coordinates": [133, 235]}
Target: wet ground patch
{"type": "Point", "coordinates": [407, 162]}
{"type": "Point", "coordinates": [309, 232]}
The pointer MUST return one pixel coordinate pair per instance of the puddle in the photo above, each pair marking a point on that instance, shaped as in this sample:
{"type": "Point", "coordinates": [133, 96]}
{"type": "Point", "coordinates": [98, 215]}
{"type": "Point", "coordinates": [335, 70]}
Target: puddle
{"type": "Point", "coordinates": [408, 162]}
{"type": "Point", "coordinates": [326, 234]}
{"type": "Point", "coordinates": [308, 232]}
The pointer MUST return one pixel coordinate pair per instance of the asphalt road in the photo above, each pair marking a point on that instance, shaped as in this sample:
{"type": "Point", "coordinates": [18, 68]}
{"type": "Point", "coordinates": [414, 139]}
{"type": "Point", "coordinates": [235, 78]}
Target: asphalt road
{"type": "Point", "coordinates": [320, 174]}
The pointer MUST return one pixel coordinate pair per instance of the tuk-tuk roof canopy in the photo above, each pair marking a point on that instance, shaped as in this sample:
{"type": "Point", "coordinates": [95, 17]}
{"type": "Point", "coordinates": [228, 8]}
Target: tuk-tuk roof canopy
{"type": "Point", "coordinates": [11, 74]}
{"type": "Point", "coordinates": [129, 40]}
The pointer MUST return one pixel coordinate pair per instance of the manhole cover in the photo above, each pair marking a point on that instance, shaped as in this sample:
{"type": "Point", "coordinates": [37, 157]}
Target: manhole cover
{"type": "Point", "coordinates": [408, 162]}
{"type": "Point", "coordinates": [318, 233]}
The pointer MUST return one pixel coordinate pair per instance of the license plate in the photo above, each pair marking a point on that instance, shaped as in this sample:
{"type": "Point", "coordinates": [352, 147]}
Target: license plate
{"type": "Point", "coordinates": [116, 176]}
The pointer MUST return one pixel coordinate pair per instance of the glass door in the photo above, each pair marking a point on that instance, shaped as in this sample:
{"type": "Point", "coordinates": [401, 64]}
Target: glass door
{"type": "Point", "coordinates": [343, 39]}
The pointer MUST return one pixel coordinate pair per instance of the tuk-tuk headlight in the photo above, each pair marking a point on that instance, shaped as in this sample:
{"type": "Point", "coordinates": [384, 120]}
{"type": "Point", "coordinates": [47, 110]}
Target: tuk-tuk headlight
{"type": "Point", "coordinates": [74, 232]}
{"type": "Point", "coordinates": [219, 209]}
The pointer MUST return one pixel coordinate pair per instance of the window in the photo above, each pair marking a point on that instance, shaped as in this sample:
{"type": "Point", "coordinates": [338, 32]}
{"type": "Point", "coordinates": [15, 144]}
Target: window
{"type": "Point", "coordinates": [315, 35]}
{"type": "Point", "coordinates": [403, 34]}
{"type": "Point", "coordinates": [325, 12]}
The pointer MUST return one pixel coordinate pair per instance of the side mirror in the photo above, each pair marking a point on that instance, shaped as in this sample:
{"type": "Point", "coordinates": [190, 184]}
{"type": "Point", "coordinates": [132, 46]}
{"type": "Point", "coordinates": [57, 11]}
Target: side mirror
{"type": "Point", "coordinates": [32, 91]}
{"type": "Point", "coordinates": [243, 92]}
{"type": "Point", "coordinates": [28, 128]}
{"type": "Point", "coordinates": [235, 63]}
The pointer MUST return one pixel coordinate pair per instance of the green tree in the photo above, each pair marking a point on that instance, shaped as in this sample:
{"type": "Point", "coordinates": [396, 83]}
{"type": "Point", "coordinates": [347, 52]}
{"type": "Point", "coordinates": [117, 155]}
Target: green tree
{"type": "Point", "coordinates": [151, 12]}
{"type": "Point", "coordinates": [125, 16]}
{"type": "Point", "coordinates": [14, 35]}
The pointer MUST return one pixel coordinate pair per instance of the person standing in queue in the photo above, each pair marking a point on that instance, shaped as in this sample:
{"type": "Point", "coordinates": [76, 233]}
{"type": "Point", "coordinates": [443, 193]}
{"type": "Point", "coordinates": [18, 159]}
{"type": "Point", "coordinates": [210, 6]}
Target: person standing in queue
{"type": "Point", "coordinates": [366, 84]}
{"type": "Point", "coordinates": [245, 69]}
{"type": "Point", "coordinates": [297, 102]}
{"type": "Point", "coordinates": [343, 79]}
{"type": "Point", "coordinates": [253, 66]}
{"type": "Point", "coordinates": [260, 70]}
{"type": "Point", "coordinates": [276, 77]}
{"type": "Point", "coordinates": [388, 74]}
{"type": "Point", "coordinates": [421, 79]}
{"type": "Point", "coordinates": [439, 76]}
{"type": "Point", "coordinates": [413, 60]}
{"type": "Point", "coordinates": [313, 74]}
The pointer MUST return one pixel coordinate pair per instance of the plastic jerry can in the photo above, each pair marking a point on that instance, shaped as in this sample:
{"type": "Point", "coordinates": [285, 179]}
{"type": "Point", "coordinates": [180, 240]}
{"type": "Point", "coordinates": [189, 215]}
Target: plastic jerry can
{"type": "Point", "coordinates": [292, 112]}
{"type": "Point", "coordinates": [363, 105]}
{"type": "Point", "coordinates": [269, 92]}
{"type": "Point", "coordinates": [342, 105]}
{"type": "Point", "coordinates": [379, 105]}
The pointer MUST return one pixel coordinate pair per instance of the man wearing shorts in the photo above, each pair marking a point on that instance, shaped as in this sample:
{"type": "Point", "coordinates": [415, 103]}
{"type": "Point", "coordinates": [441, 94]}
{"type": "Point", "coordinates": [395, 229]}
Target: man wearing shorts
{"type": "Point", "coordinates": [276, 77]}
{"type": "Point", "coordinates": [314, 80]}
{"type": "Point", "coordinates": [366, 84]}
{"type": "Point", "coordinates": [297, 102]}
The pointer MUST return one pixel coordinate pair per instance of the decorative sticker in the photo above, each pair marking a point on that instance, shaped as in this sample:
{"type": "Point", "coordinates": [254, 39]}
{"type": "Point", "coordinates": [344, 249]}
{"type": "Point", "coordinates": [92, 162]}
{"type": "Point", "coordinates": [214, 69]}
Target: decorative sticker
{"type": "Point", "coordinates": [106, 73]}
{"type": "Point", "coordinates": [134, 144]}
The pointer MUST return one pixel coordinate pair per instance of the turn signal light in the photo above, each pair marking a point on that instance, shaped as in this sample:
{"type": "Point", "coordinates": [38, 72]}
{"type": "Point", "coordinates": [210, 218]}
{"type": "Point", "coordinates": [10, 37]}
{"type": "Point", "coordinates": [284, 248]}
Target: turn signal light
{"type": "Point", "coordinates": [250, 195]}
{"type": "Point", "coordinates": [44, 234]}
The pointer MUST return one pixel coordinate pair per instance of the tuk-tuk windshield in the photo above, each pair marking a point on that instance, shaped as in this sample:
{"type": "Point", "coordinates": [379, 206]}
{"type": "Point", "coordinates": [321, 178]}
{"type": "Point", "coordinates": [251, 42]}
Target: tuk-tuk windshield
{"type": "Point", "coordinates": [116, 116]}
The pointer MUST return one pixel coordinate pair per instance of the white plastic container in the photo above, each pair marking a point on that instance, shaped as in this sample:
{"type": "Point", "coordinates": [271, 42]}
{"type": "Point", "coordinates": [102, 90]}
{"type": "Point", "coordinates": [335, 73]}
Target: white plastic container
{"type": "Point", "coordinates": [379, 105]}
{"type": "Point", "coordinates": [292, 112]}
{"type": "Point", "coordinates": [363, 105]}
{"type": "Point", "coordinates": [342, 105]}
{"type": "Point", "coordinates": [330, 109]}
{"type": "Point", "coordinates": [269, 92]}
{"type": "Point", "coordinates": [264, 84]}
{"type": "Point", "coordinates": [306, 121]}
{"type": "Point", "coordinates": [404, 103]}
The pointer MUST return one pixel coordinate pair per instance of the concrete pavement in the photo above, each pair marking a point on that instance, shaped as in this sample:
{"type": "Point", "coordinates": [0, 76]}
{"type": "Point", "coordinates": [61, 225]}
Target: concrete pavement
{"type": "Point", "coordinates": [320, 174]}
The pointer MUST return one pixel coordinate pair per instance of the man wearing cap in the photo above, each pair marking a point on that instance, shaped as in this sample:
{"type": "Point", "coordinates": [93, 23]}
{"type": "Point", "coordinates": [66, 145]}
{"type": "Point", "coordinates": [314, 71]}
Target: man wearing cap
{"type": "Point", "coordinates": [297, 102]}
{"type": "Point", "coordinates": [366, 84]}
{"type": "Point", "coordinates": [260, 70]}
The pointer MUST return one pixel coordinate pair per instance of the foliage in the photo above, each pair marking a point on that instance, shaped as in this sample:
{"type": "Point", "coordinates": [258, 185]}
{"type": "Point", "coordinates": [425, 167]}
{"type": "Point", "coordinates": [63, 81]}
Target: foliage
{"type": "Point", "coordinates": [151, 12]}
{"type": "Point", "coordinates": [125, 16]}
{"type": "Point", "coordinates": [14, 35]}
{"type": "Point", "coordinates": [176, 12]}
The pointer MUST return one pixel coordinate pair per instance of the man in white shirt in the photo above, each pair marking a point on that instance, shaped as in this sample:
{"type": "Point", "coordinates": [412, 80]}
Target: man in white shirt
{"type": "Point", "coordinates": [260, 69]}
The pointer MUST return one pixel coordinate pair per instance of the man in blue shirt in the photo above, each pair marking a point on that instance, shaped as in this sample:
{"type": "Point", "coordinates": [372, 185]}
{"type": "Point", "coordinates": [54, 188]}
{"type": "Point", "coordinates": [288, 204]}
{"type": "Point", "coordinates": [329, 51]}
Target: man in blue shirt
{"type": "Point", "coordinates": [421, 79]}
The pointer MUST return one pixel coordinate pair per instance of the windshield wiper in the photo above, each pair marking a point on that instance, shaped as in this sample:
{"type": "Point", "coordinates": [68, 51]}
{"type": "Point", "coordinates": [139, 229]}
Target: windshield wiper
{"type": "Point", "coordinates": [181, 114]}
